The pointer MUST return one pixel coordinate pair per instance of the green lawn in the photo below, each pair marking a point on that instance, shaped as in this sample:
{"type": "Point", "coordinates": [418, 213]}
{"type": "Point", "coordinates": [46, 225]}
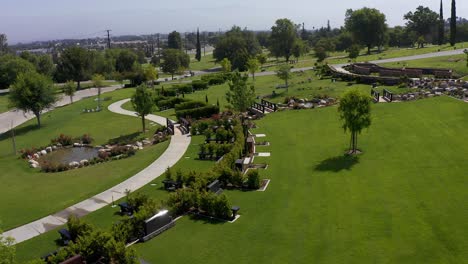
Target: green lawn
{"type": "Point", "coordinates": [105, 217]}
{"type": "Point", "coordinates": [456, 63]}
{"type": "Point", "coordinates": [402, 201]}
{"type": "Point", "coordinates": [28, 194]}
{"type": "Point", "coordinates": [397, 52]}
{"type": "Point", "coordinates": [4, 103]}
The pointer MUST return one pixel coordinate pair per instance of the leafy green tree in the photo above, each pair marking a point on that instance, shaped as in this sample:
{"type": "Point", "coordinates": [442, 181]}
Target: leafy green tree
{"type": "Point", "coordinates": [355, 111]}
{"type": "Point", "coordinates": [282, 39]}
{"type": "Point", "coordinates": [69, 89]}
{"type": "Point", "coordinates": [75, 63]}
{"type": "Point", "coordinates": [240, 95]}
{"type": "Point", "coordinates": [441, 37]}
{"type": "Point", "coordinates": [253, 66]}
{"type": "Point", "coordinates": [10, 67]}
{"type": "Point", "coordinates": [284, 73]}
{"type": "Point", "coordinates": [262, 58]}
{"type": "Point", "coordinates": [43, 63]}
{"type": "Point", "coordinates": [174, 61]}
{"type": "Point", "coordinates": [226, 65]}
{"type": "Point", "coordinates": [3, 44]}
{"type": "Point", "coordinates": [423, 21]}
{"type": "Point", "coordinates": [237, 46]}
{"type": "Point", "coordinates": [151, 74]}
{"type": "Point", "coordinates": [466, 52]}
{"type": "Point", "coordinates": [7, 250]}
{"type": "Point", "coordinates": [320, 53]}
{"type": "Point", "coordinates": [300, 48]}
{"type": "Point", "coordinates": [453, 24]}
{"type": "Point", "coordinates": [98, 82]}
{"type": "Point", "coordinates": [143, 103]}
{"type": "Point", "coordinates": [198, 47]}
{"type": "Point", "coordinates": [174, 40]}
{"type": "Point", "coordinates": [33, 92]}
{"type": "Point", "coordinates": [367, 25]}
{"type": "Point", "coordinates": [353, 51]}
{"type": "Point", "coordinates": [125, 60]}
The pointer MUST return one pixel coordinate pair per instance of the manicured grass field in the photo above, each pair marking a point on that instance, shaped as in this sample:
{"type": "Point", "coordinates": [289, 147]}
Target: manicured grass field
{"type": "Point", "coordinates": [397, 52]}
{"type": "Point", "coordinates": [27, 194]}
{"type": "Point", "coordinates": [402, 201]}
{"type": "Point", "coordinates": [456, 63]}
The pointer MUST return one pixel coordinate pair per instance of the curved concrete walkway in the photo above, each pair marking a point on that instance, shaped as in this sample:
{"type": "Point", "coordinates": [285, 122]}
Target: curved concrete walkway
{"type": "Point", "coordinates": [18, 117]}
{"type": "Point", "coordinates": [177, 147]}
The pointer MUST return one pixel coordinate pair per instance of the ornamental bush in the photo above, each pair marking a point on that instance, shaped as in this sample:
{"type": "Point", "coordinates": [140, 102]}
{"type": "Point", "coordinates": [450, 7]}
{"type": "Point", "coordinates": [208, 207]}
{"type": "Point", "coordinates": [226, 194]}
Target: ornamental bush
{"type": "Point", "coordinates": [199, 85]}
{"type": "Point", "coordinates": [197, 113]}
{"type": "Point", "coordinates": [253, 179]}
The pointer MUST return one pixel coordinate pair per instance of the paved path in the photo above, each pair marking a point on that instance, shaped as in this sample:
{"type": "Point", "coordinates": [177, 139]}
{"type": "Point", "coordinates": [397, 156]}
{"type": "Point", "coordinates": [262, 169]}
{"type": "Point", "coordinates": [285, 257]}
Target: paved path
{"type": "Point", "coordinates": [19, 117]}
{"type": "Point", "coordinates": [177, 147]}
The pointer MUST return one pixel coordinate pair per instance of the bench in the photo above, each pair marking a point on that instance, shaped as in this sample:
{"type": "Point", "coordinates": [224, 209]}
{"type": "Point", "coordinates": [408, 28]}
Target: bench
{"type": "Point", "coordinates": [215, 187]}
{"type": "Point", "coordinates": [126, 208]}
{"type": "Point", "coordinates": [65, 236]}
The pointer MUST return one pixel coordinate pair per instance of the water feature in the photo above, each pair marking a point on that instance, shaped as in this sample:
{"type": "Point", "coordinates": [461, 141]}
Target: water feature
{"type": "Point", "coordinates": [67, 155]}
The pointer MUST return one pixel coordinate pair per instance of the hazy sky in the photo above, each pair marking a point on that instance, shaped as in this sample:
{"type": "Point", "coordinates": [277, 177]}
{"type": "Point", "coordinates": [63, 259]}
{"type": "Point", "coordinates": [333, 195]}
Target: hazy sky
{"type": "Point", "coordinates": [28, 20]}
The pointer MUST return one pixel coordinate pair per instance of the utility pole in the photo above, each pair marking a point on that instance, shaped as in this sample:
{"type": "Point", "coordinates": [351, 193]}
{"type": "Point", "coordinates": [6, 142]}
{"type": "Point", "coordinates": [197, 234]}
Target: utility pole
{"type": "Point", "coordinates": [108, 38]}
{"type": "Point", "coordinates": [159, 48]}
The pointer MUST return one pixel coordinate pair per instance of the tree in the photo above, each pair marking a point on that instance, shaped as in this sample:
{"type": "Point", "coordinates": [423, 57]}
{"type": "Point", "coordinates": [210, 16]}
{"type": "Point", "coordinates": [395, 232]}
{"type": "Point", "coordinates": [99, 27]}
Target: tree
{"type": "Point", "coordinates": [33, 92]}
{"type": "Point", "coordinates": [423, 21]}
{"type": "Point", "coordinates": [174, 61]}
{"type": "Point", "coordinates": [7, 250]}
{"type": "Point", "coordinates": [174, 41]}
{"type": "Point", "coordinates": [237, 46]}
{"type": "Point", "coordinates": [284, 73]}
{"type": "Point", "coordinates": [75, 64]}
{"type": "Point", "coordinates": [355, 111]}
{"type": "Point", "coordinates": [320, 53]}
{"type": "Point", "coordinates": [441, 37]}
{"type": "Point", "coordinates": [43, 63]}
{"type": "Point", "coordinates": [3, 44]}
{"type": "Point", "coordinates": [453, 24]}
{"type": "Point", "coordinates": [226, 65]}
{"type": "Point", "coordinates": [262, 58]}
{"type": "Point", "coordinates": [240, 95]}
{"type": "Point", "coordinates": [367, 25]}
{"type": "Point", "coordinates": [283, 37]}
{"type": "Point", "coordinates": [198, 46]}
{"type": "Point", "coordinates": [253, 66]}
{"type": "Point", "coordinates": [354, 51]}
{"type": "Point", "coordinates": [98, 82]}
{"type": "Point", "coordinates": [69, 89]}
{"type": "Point", "coordinates": [300, 48]}
{"type": "Point", "coordinates": [151, 74]}
{"type": "Point", "coordinates": [10, 67]}
{"type": "Point", "coordinates": [466, 52]}
{"type": "Point", "coordinates": [143, 103]}
{"type": "Point", "coordinates": [125, 60]}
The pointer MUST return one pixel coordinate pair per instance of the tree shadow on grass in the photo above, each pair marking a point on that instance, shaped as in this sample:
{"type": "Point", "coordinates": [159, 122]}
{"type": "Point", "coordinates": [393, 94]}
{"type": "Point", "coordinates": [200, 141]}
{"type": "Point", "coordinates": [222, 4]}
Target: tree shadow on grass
{"type": "Point", "coordinates": [337, 164]}
{"type": "Point", "coordinates": [19, 131]}
{"type": "Point", "coordinates": [206, 219]}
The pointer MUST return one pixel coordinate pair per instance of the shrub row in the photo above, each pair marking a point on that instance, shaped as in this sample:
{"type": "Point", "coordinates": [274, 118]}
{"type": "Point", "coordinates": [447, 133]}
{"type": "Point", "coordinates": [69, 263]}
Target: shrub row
{"type": "Point", "coordinates": [171, 102]}
{"type": "Point", "coordinates": [189, 105]}
{"type": "Point", "coordinates": [213, 150]}
{"type": "Point", "coordinates": [207, 203]}
{"type": "Point", "coordinates": [197, 113]}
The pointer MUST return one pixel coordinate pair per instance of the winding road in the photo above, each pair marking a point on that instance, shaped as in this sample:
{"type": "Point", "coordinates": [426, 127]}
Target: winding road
{"type": "Point", "coordinates": [175, 151]}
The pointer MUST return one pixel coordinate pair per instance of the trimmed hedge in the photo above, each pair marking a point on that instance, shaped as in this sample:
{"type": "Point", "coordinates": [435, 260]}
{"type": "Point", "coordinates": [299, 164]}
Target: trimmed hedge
{"type": "Point", "coordinates": [183, 88]}
{"type": "Point", "coordinates": [189, 105]}
{"type": "Point", "coordinates": [199, 85]}
{"type": "Point", "coordinates": [197, 113]}
{"type": "Point", "coordinates": [171, 102]}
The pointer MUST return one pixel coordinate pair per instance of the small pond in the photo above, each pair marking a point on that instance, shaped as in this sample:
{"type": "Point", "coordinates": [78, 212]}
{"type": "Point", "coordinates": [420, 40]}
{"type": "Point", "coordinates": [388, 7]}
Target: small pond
{"type": "Point", "coordinates": [67, 155]}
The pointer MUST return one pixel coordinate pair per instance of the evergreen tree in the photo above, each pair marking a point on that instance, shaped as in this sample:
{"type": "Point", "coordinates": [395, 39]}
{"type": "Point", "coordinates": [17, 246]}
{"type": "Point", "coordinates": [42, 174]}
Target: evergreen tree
{"type": "Point", "coordinates": [453, 24]}
{"type": "Point", "coordinates": [441, 24]}
{"type": "Point", "coordinates": [198, 55]}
